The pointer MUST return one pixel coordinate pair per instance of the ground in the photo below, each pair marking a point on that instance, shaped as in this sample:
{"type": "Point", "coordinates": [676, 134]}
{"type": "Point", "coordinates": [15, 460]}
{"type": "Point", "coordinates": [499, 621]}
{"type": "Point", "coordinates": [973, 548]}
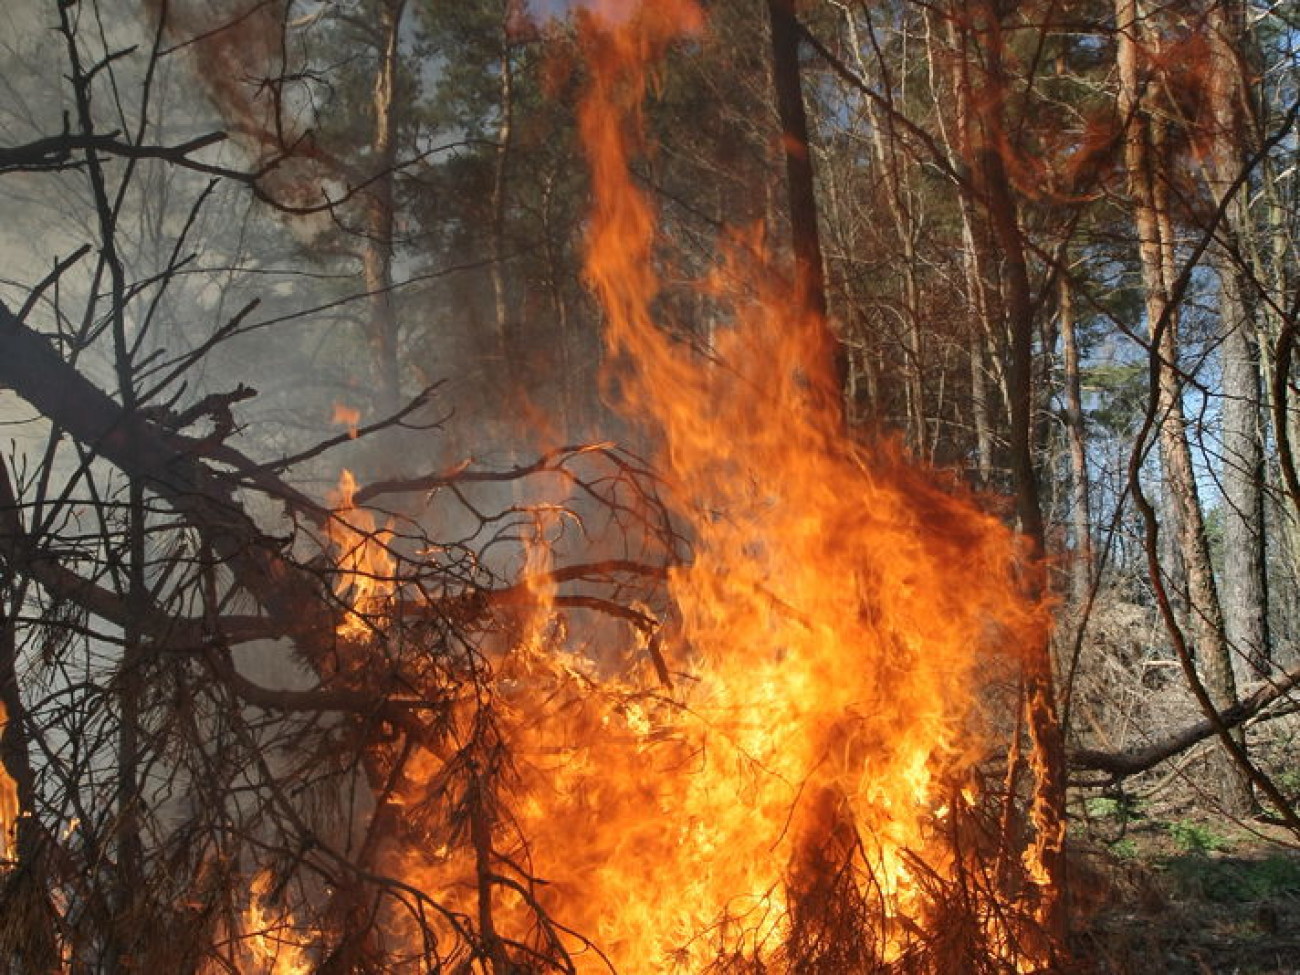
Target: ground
{"type": "Point", "coordinates": [1161, 886]}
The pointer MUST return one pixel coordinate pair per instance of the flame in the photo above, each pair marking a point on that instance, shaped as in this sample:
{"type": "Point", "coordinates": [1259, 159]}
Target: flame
{"type": "Point", "coordinates": [269, 943]}
{"type": "Point", "coordinates": [836, 615]}
{"type": "Point", "coordinates": [365, 564]}
{"type": "Point", "coordinates": [346, 416]}
{"type": "Point", "coordinates": [8, 805]}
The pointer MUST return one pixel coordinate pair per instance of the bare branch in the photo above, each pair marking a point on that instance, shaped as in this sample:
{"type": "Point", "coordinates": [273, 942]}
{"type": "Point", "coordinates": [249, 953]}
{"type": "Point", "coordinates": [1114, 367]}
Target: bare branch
{"type": "Point", "coordinates": [1135, 760]}
{"type": "Point", "coordinates": [31, 367]}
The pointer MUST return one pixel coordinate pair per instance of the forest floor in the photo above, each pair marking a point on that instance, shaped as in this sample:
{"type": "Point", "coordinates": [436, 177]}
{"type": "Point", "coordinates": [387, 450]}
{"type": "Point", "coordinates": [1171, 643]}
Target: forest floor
{"type": "Point", "coordinates": [1161, 885]}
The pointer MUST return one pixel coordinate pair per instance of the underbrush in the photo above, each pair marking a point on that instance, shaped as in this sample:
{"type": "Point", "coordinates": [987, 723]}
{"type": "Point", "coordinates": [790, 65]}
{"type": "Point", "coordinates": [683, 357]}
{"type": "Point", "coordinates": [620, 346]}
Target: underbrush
{"type": "Point", "coordinates": [1159, 887]}
{"type": "Point", "coordinates": [1163, 878]}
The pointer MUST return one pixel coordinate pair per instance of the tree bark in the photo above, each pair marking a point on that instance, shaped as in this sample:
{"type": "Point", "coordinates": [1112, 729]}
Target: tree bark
{"type": "Point", "coordinates": [800, 180]}
{"type": "Point", "coordinates": [500, 169]}
{"type": "Point", "coordinates": [885, 143]}
{"type": "Point", "coordinates": [983, 284]}
{"type": "Point", "coordinates": [1144, 146]}
{"type": "Point", "coordinates": [810, 276]}
{"type": "Point", "coordinates": [1245, 589]}
{"type": "Point", "coordinates": [377, 248]}
{"type": "Point", "coordinates": [34, 950]}
{"type": "Point", "coordinates": [1047, 757]}
{"type": "Point", "coordinates": [1080, 507]}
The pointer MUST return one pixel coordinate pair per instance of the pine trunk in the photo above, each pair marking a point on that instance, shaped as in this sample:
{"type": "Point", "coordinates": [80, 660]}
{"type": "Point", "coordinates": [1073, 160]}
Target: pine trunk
{"type": "Point", "coordinates": [1144, 148]}
{"type": "Point", "coordinates": [377, 248]}
{"type": "Point", "coordinates": [1245, 591]}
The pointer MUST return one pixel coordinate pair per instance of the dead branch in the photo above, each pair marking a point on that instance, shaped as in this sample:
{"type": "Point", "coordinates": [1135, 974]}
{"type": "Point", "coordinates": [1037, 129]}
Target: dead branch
{"type": "Point", "coordinates": [1132, 761]}
{"type": "Point", "coordinates": [294, 599]}
{"type": "Point", "coordinates": [551, 462]}
{"type": "Point", "coordinates": [62, 152]}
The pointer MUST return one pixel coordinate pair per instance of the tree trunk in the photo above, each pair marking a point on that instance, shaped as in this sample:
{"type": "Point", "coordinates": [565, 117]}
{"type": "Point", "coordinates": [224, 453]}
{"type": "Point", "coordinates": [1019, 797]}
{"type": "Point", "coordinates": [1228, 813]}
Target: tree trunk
{"type": "Point", "coordinates": [810, 278]}
{"type": "Point", "coordinates": [1245, 591]}
{"type": "Point", "coordinates": [1080, 509]}
{"type": "Point", "coordinates": [1245, 588]}
{"type": "Point", "coordinates": [1273, 256]}
{"type": "Point", "coordinates": [1144, 146]}
{"type": "Point", "coordinates": [1048, 756]}
{"type": "Point", "coordinates": [167, 463]}
{"type": "Point", "coordinates": [987, 339]}
{"type": "Point", "coordinates": [377, 249]}
{"type": "Point", "coordinates": [36, 952]}
{"type": "Point", "coordinates": [500, 300]}
{"type": "Point", "coordinates": [899, 193]}
{"type": "Point", "coordinates": [998, 280]}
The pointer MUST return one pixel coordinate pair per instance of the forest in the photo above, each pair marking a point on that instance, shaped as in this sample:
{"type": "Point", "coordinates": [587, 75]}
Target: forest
{"type": "Point", "coordinates": [663, 487]}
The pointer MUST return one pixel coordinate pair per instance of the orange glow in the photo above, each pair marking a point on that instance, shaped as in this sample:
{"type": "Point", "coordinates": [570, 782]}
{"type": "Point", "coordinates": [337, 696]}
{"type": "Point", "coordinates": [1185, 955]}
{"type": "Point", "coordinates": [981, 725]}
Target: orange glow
{"type": "Point", "coordinates": [346, 416]}
{"type": "Point", "coordinates": [366, 566]}
{"type": "Point", "coordinates": [270, 943]}
{"type": "Point", "coordinates": [835, 621]}
{"type": "Point", "coordinates": [8, 806]}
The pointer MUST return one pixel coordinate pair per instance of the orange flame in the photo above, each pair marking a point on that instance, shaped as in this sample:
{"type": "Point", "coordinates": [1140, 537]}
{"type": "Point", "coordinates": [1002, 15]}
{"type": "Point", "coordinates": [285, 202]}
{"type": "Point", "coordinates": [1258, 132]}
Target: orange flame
{"type": "Point", "coordinates": [346, 416]}
{"type": "Point", "coordinates": [8, 805]}
{"type": "Point", "coordinates": [833, 621]}
{"type": "Point", "coordinates": [365, 565]}
{"type": "Point", "coordinates": [268, 942]}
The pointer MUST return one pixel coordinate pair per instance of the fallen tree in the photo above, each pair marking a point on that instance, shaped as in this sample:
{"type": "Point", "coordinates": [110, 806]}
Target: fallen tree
{"type": "Point", "coordinates": [1133, 761]}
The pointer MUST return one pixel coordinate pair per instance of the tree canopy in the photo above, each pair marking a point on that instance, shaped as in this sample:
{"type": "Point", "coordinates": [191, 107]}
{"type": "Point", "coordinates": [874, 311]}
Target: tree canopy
{"type": "Point", "coordinates": [505, 486]}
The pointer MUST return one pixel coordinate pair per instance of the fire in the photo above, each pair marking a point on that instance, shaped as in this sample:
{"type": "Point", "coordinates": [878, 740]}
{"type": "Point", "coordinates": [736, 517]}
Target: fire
{"type": "Point", "coordinates": [8, 805]}
{"type": "Point", "coordinates": [346, 416]}
{"type": "Point", "coordinates": [366, 566]}
{"type": "Point", "coordinates": [269, 942]}
{"type": "Point", "coordinates": [789, 803]}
